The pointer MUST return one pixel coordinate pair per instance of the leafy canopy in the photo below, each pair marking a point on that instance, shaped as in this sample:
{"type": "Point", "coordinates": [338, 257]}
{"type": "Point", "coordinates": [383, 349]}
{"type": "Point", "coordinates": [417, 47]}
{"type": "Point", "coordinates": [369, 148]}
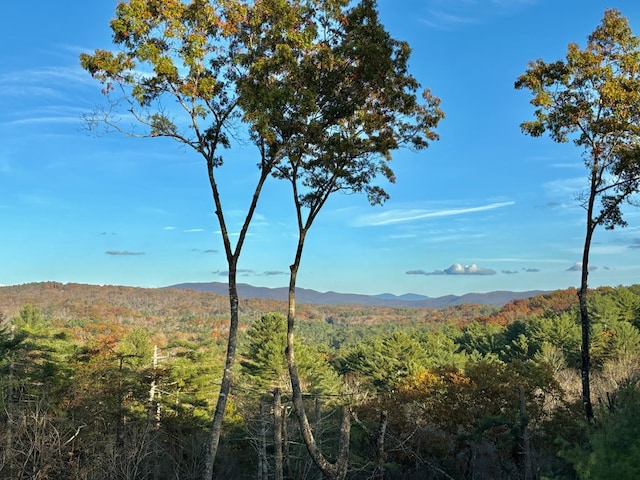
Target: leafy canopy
{"type": "Point", "coordinates": [328, 90]}
{"type": "Point", "coordinates": [170, 49]}
{"type": "Point", "coordinates": [593, 97]}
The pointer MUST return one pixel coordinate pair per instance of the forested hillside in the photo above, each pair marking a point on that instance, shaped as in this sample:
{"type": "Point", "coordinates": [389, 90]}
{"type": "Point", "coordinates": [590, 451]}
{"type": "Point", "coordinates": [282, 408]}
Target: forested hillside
{"type": "Point", "coordinates": [171, 307]}
{"type": "Point", "coordinates": [120, 383]}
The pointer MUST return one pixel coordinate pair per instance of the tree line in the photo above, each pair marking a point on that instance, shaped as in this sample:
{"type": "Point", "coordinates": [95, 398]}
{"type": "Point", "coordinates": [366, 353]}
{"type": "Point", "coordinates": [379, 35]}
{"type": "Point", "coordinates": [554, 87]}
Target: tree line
{"type": "Point", "coordinates": [95, 399]}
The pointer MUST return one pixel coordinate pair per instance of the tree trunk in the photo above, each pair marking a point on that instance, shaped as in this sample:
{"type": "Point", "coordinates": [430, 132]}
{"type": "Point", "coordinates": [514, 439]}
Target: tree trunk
{"type": "Point", "coordinates": [342, 462]}
{"type": "Point", "coordinates": [585, 323]}
{"type": "Point", "coordinates": [225, 386]}
{"type": "Point", "coordinates": [337, 471]}
{"type": "Point", "coordinates": [263, 464]}
{"type": "Point", "coordinates": [277, 433]}
{"type": "Point", "coordinates": [585, 358]}
{"type": "Point", "coordinates": [317, 425]}
{"type": "Point", "coordinates": [524, 433]}
{"type": "Point", "coordinates": [381, 456]}
{"type": "Point", "coordinates": [285, 441]}
{"type": "Point", "coordinates": [232, 261]}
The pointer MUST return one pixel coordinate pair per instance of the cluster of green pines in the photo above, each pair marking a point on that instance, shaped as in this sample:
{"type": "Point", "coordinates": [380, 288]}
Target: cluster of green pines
{"type": "Point", "coordinates": [83, 398]}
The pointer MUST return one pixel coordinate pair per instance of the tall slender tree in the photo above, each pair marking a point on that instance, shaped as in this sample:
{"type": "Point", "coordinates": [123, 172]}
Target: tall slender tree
{"type": "Point", "coordinates": [593, 98]}
{"type": "Point", "coordinates": [330, 94]}
{"type": "Point", "coordinates": [175, 75]}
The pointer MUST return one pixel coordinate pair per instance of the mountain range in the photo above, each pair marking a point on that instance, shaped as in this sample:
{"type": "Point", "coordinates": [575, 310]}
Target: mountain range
{"type": "Point", "coordinates": [304, 295]}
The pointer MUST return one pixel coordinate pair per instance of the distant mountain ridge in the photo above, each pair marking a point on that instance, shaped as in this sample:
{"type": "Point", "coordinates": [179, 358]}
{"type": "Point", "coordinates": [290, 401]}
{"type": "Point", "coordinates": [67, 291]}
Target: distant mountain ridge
{"type": "Point", "coordinates": [303, 295]}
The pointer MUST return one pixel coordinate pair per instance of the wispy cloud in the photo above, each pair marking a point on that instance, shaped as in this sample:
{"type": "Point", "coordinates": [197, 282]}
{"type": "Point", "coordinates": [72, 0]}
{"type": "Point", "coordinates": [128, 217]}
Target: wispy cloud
{"type": "Point", "coordinates": [400, 216]}
{"type": "Point", "coordinates": [194, 230]}
{"type": "Point", "coordinates": [568, 187]}
{"type": "Point", "coordinates": [36, 120]}
{"type": "Point", "coordinates": [52, 121]}
{"type": "Point", "coordinates": [579, 165]}
{"type": "Point", "coordinates": [403, 236]}
{"type": "Point", "coordinates": [123, 252]}
{"type": "Point", "coordinates": [456, 269]}
{"type": "Point", "coordinates": [441, 20]}
{"type": "Point", "coordinates": [41, 82]}
{"type": "Point", "coordinates": [454, 14]}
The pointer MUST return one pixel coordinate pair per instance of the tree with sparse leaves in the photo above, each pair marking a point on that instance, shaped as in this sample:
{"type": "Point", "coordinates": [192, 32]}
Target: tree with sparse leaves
{"type": "Point", "coordinates": [593, 99]}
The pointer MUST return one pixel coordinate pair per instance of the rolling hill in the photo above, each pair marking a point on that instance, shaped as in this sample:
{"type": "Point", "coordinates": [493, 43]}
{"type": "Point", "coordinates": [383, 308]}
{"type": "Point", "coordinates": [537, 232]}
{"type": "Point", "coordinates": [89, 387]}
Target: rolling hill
{"type": "Point", "coordinates": [303, 295]}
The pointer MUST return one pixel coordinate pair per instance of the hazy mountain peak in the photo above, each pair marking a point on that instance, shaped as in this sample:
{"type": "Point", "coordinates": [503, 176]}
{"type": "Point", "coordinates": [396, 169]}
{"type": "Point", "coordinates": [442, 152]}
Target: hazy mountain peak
{"type": "Point", "coordinates": [304, 295]}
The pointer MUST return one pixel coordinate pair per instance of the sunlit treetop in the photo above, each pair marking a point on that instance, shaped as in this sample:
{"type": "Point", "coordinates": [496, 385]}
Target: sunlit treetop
{"type": "Point", "coordinates": [593, 98]}
{"type": "Point", "coordinates": [328, 89]}
{"type": "Point", "coordinates": [171, 49]}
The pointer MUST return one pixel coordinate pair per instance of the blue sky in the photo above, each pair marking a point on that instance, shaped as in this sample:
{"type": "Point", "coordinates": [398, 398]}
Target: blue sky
{"type": "Point", "coordinates": [496, 203]}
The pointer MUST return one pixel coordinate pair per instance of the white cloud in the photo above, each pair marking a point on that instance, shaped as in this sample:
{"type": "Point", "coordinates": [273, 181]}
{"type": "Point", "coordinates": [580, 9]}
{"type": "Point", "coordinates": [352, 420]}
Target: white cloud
{"type": "Point", "coordinates": [577, 267]}
{"type": "Point", "coordinates": [456, 269]}
{"type": "Point", "coordinates": [472, 269]}
{"type": "Point", "coordinates": [400, 216]}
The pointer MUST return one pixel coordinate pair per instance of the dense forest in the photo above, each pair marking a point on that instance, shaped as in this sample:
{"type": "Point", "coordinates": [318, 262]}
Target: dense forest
{"type": "Point", "coordinates": [120, 383]}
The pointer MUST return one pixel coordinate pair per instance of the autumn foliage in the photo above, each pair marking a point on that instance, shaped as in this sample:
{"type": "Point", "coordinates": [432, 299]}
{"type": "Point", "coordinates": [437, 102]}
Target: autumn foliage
{"type": "Point", "coordinates": [129, 390]}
